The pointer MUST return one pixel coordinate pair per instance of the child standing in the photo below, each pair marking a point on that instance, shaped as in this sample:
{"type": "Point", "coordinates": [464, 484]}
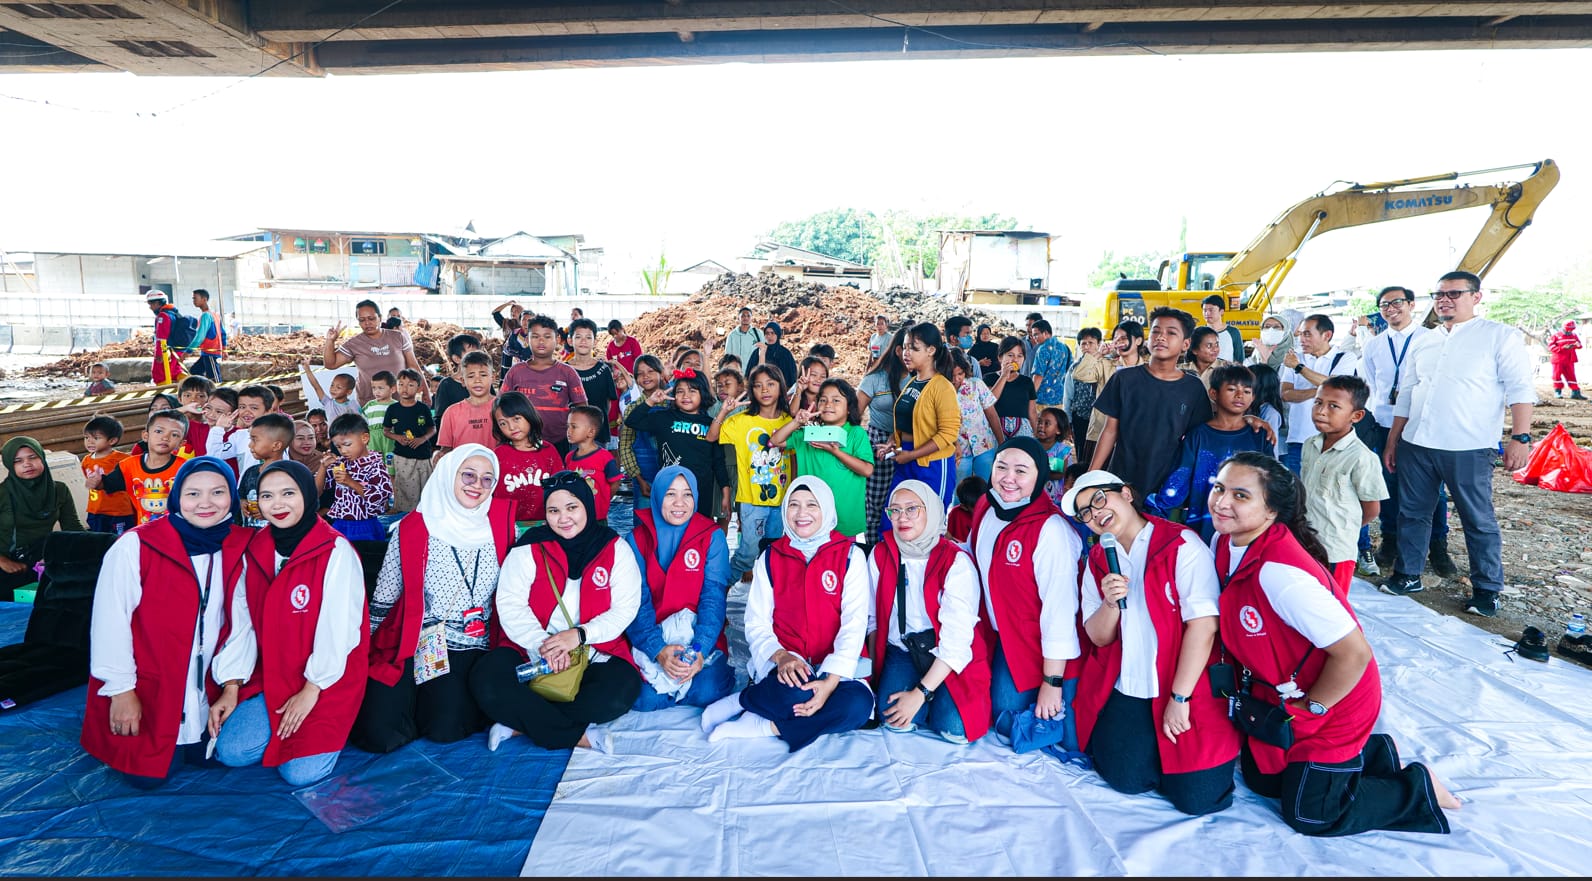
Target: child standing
{"type": "Point", "coordinates": [269, 438]}
{"type": "Point", "coordinates": [410, 425]}
{"type": "Point", "coordinates": [254, 401]}
{"type": "Point", "coordinates": [589, 459]}
{"type": "Point", "coordinates": [762, 469]}
{"type": "Point", "coordinates": [681, 431]}
{"type": "Point", "coordinates": [844, 465]}
{"type": "Point", "coordinates": [1267, 403]}
{"type": "Point", "coordinates": [107, 512]}
{"type": "Point", "coordinates": [1054, 433]}
{"type": "Point", "coordinates": [1342, 477]}
{"type": "Point", "coordinates": [1205, 447]}
{"type": "Point", "coordinates": [341, 400]}
{"type": "Point", "coordinates": [524, 457]}
{"type": "Point", "coordinates": [960, 522]}
{"type": "Point", "coordinates": [470, 420]}
{"type": "Point", "coordinates": [363, 490]}
{"type": "Point", "coordinates": [147, 478]}
{"type": "Point", "coordinates": [451, 391]}
{"type": "Point", "coordinates": [382, 386]}
{"type": "Point", "coordinates": [638, 450]}
{"type": "Point", "coordinates": [193, 394]}
{"type": "Point", "coordinates": [99, 381]}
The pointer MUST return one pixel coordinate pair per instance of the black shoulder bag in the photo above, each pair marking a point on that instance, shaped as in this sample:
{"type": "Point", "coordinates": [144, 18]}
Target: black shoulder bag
{"type": "Point", "coordinates": [919, 645]}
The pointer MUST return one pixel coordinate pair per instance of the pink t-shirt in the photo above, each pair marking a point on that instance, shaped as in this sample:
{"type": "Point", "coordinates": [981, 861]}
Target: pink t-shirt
{"type": "Point", "coordinates": [372, 355]}
{"type": "Point", "coordinates": [467, 423]}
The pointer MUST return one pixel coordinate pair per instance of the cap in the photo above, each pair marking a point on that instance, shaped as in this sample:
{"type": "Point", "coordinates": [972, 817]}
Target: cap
{"type": "Point", "coordinates": [1569, 325]}
{"type": "Point", "coordinates": [154, 295]}
{"type": "Point", "coordinates": [1090, 480]}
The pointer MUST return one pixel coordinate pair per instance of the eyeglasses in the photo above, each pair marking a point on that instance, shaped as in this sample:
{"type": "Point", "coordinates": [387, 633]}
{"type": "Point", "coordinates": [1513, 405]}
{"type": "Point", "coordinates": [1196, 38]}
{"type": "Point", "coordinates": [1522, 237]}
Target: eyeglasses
{"type": "Point", "coordinates": [1451, 295]}
{"type": "Point", "coordinates": [1400, 303]}
{"type": "Point", "coordinates": [897, 512]}
{"type": "Point", "coordinates": [1096, 502]}
{"type": "Point", "coordinates": [470, 478]}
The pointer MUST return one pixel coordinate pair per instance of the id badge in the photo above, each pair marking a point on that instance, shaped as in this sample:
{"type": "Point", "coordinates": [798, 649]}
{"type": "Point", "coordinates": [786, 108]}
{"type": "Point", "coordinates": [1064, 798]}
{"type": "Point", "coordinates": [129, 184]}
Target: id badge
{"type": "Point", "coordinates": [475, 622]}
{"type": "Point", "coordinates": [431, 655]}
{"type": "Point", "coordinates": [1393, 396]}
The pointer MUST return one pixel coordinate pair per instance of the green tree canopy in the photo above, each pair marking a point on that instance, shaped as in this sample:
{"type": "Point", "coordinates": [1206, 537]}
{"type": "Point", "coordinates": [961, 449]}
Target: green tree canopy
{"type": "Point", "coordinates": [1112, 267]}
{"type": "Point", "coordinates": [860, 236]}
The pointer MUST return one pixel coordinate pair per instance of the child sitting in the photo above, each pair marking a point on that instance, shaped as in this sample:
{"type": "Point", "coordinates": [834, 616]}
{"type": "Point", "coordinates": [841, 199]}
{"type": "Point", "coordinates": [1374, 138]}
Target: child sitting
{"type": "Point", "coordinates": [269, 438]}
{"type": "Point", "coordinates": [960, 521]}
{"type": "Point", "coordinates": [524, 458]}
{"type": "Point", "coordinates": [1206, 447]}
{"type": "Point", "coordinates": [99, 381]}
{"type": "Point", "coordinates": [147, 478]}
{"type": "Point", "coordinates": [363, 490]}
{"type": "Point", "coordinates": [843, 465]}
{"type": "Point", "coordinates": [589, 460]}
{"type": "Point", "coordinates": [107, 511]}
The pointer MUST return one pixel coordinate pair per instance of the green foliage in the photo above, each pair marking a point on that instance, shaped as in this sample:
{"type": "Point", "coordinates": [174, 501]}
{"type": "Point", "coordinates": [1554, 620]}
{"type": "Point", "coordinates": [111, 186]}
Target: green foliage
{"type": "Point", "coordinates": [656, 278]}
{"type": "Point", "coordinates": [1533, 310]}
{"type": "Point", "coordinates": [845, 233]}
{"type": "Point", "coordinates": [1111, 267]}
{"type": "Point", "coordinates": [858, 236]}
{"type": "Point", "coordinates": [1362, 303]}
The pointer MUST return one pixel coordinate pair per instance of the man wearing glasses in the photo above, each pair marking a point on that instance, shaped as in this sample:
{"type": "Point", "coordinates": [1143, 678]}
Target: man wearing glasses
{"type": "Point", "coordinates": [1385, 357]}
{"type": "Point", "coordinates": [1452, 390]}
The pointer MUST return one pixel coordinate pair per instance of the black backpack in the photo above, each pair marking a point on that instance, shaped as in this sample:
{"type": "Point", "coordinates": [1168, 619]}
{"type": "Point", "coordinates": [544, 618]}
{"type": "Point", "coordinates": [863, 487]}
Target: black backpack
{"type": "Point", "coordinates": [183, 329]}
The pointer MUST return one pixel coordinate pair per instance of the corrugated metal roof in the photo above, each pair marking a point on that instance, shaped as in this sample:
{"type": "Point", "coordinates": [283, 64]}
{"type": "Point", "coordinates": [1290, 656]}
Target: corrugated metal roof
{"type": "Point", "coordinates": [200, 249]}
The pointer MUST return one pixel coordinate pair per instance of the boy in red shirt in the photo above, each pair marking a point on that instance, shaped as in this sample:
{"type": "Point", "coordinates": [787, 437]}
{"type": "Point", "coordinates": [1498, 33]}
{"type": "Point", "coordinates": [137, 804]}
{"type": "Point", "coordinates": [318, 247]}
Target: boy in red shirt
{"type": "Point", "coordinates": [588, 459]}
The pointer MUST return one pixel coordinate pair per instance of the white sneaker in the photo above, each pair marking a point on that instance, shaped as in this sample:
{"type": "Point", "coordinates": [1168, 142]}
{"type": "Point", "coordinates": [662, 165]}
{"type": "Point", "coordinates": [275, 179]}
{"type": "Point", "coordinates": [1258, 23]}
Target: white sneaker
{"type": "Point", "coordinates": [497, 734]}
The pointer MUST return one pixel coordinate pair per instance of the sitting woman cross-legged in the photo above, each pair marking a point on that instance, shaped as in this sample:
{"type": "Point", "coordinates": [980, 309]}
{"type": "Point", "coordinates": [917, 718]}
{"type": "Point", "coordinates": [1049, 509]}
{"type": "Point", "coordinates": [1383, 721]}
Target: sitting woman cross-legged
{"type": "Point", "coordinates": [1283, 625]}
{"type": "Point", "coordinates": [806, 619]}
{"type": "Point", "coordinates": [685, 569]}
{"type": "Point", "coordinates": [1145, 712]}
{"type": "Point", "coordinates": [298, 617]}
{"type": "Point", "coordinates": [568, 583]}
{"type": "Point", "coordinates": [931, 651]}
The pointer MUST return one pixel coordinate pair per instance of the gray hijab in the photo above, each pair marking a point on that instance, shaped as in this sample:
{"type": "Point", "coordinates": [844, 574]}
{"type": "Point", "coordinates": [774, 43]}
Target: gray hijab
{"type": "Point", "coordinates": [933, 523]}
{"type": "Point", "coordinates": [1290, 319]}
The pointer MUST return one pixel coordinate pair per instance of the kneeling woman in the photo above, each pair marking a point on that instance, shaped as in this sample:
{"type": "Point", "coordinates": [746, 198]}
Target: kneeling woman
{"type": "Point", "coordinates": [806, 619]}
{"type": "Point", "coordinates": [1283, 624]}
{"type": "Point", "coordinates": [432, 613]}
{"type": "Point", "coordinates": [159, 607]}
{"type": "Point", "coordinates": [932, 652]}
{"type": "Point", "coordinates": [1145, 713]}
{"type": "Point", "coordinates": [569, 582]}
{"type": "Point", "coordinates": [685, 570]}
{"type": "Point", "coordinates": [299, 618]}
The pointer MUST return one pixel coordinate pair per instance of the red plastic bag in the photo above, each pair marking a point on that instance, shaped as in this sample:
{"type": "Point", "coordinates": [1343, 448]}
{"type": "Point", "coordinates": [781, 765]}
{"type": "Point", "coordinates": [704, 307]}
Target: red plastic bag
{"type": "Point", "coordinates": [1558, 464]}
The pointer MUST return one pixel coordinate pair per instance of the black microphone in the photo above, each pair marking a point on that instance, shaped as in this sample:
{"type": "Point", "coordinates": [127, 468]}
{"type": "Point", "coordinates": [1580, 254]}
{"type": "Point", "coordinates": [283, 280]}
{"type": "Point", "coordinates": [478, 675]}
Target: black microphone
{"type": "Point", "coordinates": [1108, 542]}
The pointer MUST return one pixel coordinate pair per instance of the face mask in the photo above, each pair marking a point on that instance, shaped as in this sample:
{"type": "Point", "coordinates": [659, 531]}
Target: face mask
{"type": "Point", "coordinates": [966, 341]}
{"type": "Point", "coordinates": [1271, 336]}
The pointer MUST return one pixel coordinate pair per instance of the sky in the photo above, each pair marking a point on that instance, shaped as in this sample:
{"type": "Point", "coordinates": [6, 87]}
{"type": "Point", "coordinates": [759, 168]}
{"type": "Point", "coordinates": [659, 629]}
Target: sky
{"type": "Point", "coordinates": [697, 162]}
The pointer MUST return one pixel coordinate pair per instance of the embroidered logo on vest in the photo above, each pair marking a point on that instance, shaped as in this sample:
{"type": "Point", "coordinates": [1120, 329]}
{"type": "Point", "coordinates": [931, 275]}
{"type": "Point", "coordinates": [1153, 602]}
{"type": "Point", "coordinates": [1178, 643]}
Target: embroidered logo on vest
{"type": "Point", "coordinates": [599, 577]}
{"type": "Point", "coordinates": [300, 597]}
{"type": "Point", "coordinates": [1249, 616]}
{"type": "Point", "coordinates": [693, 560]}
{"type": "Point", "coordinates": [829, 580]}
{"type": "Point", "coordinates": [1014, 551]}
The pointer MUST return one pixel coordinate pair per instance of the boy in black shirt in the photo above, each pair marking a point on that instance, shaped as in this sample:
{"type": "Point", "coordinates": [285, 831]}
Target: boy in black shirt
{"type": "Point", "coordinates": [410, 425]}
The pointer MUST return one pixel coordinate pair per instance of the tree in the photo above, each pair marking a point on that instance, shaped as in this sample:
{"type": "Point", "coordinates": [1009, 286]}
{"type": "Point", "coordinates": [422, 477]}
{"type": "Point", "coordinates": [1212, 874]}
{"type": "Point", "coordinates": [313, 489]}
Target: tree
{"type": "Point", "coordinates": [919, 234]}
{"type": "Point", "coordinates": [845, 233]}
{"type": "Point", "coordinates": [858, 236]}
{"type": "Point", "coordinates": [1533, 310]}
{"type": "Point", "coordinates": [1112, 267]}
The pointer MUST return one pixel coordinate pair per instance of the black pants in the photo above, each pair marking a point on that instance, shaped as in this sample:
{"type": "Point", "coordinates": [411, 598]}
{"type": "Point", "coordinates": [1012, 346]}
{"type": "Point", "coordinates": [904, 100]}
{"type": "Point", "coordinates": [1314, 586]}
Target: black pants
{"type": "Point", "coordinates": [1080, 437]}
{"type": "Point", "coordinates": [1124, 748]}
{"type": "Point", "coordinates": [442, 711]}
{"type": "Point", "coordinates": [9, 582]}
{"type": "Point", "coordinates": [606, 693]}
{"type": "Point", "coordinates": [1345, 798]}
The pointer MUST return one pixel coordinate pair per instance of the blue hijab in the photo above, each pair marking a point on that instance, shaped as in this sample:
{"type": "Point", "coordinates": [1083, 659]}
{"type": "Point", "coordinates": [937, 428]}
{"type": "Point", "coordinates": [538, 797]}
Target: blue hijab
{"type": "Point", "coordinates": [669, 535]}
{"type": "Point", "coordinates": [196, 541]}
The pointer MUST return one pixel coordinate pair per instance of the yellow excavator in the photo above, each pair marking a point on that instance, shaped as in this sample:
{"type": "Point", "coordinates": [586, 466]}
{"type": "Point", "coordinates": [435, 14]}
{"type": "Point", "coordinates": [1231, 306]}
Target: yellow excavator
{"type": "Point", "coordinates": [1249, 279]}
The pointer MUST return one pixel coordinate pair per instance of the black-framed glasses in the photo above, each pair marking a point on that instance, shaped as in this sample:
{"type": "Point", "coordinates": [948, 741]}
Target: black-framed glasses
{"type": "Point", "coordinates": [1451, 295]}
{"type": "Point", "coordinates": [1394, 304]}
{"type": "Point", "coordinates": [1095, 503]}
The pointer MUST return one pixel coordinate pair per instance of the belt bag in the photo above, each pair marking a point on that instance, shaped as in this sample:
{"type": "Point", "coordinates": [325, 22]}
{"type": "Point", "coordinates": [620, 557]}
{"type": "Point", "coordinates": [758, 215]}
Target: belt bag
{"type": "Point", "coordinates": [1267, 722]}
{"type": "Point", "coordinates": [561, 687]}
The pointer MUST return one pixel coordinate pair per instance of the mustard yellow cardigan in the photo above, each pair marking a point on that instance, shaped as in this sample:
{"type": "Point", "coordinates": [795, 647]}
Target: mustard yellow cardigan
{"type": "Point", "coordinates": [936, 417]}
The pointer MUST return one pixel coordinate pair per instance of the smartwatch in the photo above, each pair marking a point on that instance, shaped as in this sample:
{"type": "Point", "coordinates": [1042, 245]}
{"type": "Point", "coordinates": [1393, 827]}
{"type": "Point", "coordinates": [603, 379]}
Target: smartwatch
{"type": "Point", "coordinates": [1056, 681]}
{"type": "Point", "coordinates": [928, 696]}
{"type": "Point", "coordinates": [581, 632]}
{"type": "Point", "coordinates": [1315, 708]}
{"type": "Point", "coordinates": [1524, 437]}
{"type": "Point", "coordinates": [1179, 698]}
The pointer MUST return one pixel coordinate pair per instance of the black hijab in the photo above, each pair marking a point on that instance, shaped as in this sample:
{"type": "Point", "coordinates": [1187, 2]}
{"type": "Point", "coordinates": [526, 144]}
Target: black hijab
{"type": "Point", "coordinates": [584, 547]}
{"type": "Point", "coordinates": [287, 538]}
{"type": "Point", "coordinates": [1034, 450]}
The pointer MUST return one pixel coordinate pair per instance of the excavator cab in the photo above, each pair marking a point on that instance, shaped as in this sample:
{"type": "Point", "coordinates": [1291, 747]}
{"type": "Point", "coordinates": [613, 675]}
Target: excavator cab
{"type": "Point", "coordinates": [1195, 271]}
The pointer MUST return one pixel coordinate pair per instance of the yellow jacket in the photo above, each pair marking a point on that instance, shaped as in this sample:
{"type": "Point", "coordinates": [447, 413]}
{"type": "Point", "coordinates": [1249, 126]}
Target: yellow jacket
{"type": "Point", "coordinates": [937, 417]}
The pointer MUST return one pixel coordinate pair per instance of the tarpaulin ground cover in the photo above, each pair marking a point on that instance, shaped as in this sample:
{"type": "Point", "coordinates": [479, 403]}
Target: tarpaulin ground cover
{"type": "Point", "coordinates": [423, 810]}
{"type": "Point", "coordinates": [1510, 737]}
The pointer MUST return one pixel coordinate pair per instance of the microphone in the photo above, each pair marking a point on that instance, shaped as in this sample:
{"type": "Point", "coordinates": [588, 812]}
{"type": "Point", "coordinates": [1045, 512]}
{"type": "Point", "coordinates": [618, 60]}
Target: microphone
{"type": "Point", "coordinates": [1108, 543]}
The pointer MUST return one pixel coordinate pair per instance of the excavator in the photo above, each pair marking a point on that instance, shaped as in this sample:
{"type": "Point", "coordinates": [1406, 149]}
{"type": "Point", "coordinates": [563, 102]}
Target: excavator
{"type": "Point", "coordinates": [1250, 279]}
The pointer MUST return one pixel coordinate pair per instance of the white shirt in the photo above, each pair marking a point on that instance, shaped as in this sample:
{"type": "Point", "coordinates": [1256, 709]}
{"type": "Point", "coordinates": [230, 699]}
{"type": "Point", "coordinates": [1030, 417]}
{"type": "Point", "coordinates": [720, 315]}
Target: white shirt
{"type": "Point", "coordinates": [1055, 563]}
{"type": "Point", "coordinates": [116, 597]}
{"type": "Point", "coordinates": [1197, 595]}
{"type": "Point", "coordinates": [519, 573]}
{"type": "Point", "coordinates": [1225, 341]}
{"type": "Point", "coordinates": [1457, 382]}
{"type": "Point", "coordinates": [236, 447]}
{"type": "Point", "coordinates": [1378, 369]}
{"type": "Point", "coordinates": [336, 627]}
{"type": "Point", "coordinates": [1300, 426]}
{"type": "Point", "coordinates": [958, 609]}
{"type": "Point", "coordinates": [1300, 600]}
{"type": "Point", "coordinates": [856, 596]}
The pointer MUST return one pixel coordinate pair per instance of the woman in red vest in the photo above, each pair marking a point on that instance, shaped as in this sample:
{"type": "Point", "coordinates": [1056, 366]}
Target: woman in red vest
{"type": "Point", "coordinates": [299, 620]}
{"type": "Point", "coordinates": [159, 607]}
{"type": "Point", "coordinates": [685, 573]}
{"type": "Point", "coordinates": [1028, 560]}
{"type": "Point", "coordinates": [1282, 623]}
{"type": "Point", "coordinates": [806, 621]}
{"type": "Point", "coordinates": [597, 578]}
{"type": "Point", "coordinates": [934, 651]}
{"type": "Point", "coordinates": [432, 615]}
{"type": "Point", "coordinates": [1144, 711]}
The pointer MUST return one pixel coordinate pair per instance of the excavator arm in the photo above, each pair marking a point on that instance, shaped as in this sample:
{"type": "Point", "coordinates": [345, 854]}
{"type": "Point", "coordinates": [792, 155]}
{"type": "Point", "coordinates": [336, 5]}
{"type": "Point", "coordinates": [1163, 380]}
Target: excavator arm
{"type": "Point", "coordinates": [1257, 272]}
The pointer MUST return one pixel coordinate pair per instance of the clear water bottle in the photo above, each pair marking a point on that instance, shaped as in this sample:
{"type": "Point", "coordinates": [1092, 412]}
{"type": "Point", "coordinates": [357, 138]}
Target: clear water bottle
{"type": "Point", "coordinates": [531, 669]}
{"type": "Point", "coordinates": [1575, 628]}
{"type": "Point", "coordinates": [712, 658]}
{"type": "Point", "coordinates": [732, 537]}
{"type": "Point", "coordinates": [689, 654]}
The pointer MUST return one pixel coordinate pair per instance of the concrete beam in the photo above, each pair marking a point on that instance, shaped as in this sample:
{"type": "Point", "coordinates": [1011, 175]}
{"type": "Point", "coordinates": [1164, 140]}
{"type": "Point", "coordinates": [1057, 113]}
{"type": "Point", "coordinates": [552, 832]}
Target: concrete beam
{"type": "Point", "coordinates": [20, 53]}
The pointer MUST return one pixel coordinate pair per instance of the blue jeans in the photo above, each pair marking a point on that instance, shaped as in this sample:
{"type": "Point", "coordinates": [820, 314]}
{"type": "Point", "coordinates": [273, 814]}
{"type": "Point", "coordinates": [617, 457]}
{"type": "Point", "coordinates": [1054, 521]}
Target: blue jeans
{"type": "Point", "coordinates": [361, 530]}
{"type": "Point", "coordinates": [980, 465]}
{"type": "Point", "coordinates": [1293, 458]}
{"type": "Point", "coordinates": [940, 714]}
{"type": "Point", "coordinates": [711, 683]}
{"type": "Point", "coordinates": [622, 514]}
{"type": "Point", "coordinates": [245, 735]}
{"type": "Point", "coordinates": [1003, 693]}
{"type": "Point", "coordinates": [757, 523]}
{"type": "Point", "coordinates": [1390, 505]}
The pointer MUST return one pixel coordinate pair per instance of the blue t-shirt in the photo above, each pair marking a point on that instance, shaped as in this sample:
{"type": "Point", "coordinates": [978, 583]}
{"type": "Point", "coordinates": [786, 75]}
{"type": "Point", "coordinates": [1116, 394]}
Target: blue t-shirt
{"type": "Point", "coordinates": [1188, 487]}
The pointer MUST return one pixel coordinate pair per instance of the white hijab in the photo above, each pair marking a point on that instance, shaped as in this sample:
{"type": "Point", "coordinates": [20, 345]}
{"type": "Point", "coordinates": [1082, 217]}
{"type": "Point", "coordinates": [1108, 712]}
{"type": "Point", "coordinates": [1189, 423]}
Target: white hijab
{"type": "Point", "coordinates": [826, 501]}
{"type": "Point", "coordinates": [446, 518]}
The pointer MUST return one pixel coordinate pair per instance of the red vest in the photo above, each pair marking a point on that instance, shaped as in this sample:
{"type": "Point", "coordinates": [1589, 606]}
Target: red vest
{"type": "Point", "coordinates": [680, 586]}
{"type": "Point", "coordinates": [595, 597]}
{"type": "Point", "coordinates": [1014, 589]}
{"type": "Point", "coordinates": [395, 639]}
{"type": "Point", "coordinates": [969, 688]}
{"type": "Point", "coordinates": [163, 628]}
{"type": "Point", "coordinates": [1211, 738]}
{"type": "Point", "coordinates": [285, 609]}
{"type": "Point", "coordinates": [1257, 638]}
{"type": "Point", "coordinates": [807, 595]}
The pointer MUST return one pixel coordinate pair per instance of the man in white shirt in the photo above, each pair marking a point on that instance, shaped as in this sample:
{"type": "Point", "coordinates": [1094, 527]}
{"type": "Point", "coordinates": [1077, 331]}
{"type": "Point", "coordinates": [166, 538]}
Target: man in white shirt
{"type": "Point", "coordinates": [1452, 393]}
{"type": "Point", "coordinates": [1382, 366]}
{"type": "Point", "coordinates": [1303, 371]}
{"type": "Point", "coordinates": [1232, 342]}
{"type": "Point", "coordinates": [742, 339]}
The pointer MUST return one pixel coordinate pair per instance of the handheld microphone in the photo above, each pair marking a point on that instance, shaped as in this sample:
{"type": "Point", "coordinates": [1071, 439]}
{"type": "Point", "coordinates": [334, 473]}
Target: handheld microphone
{"type": "Point", "coordinates": [1108, 543]}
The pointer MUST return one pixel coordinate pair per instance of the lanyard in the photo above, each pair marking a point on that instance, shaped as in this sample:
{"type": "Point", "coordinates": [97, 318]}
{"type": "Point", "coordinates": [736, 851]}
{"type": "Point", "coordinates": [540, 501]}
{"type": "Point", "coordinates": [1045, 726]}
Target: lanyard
{"type": "Point", "coordinates": [471, 580]}
{"type": "Point", "coordinates": [199, 622]}
{"type": "Point", "coordinates": [1398, 359]}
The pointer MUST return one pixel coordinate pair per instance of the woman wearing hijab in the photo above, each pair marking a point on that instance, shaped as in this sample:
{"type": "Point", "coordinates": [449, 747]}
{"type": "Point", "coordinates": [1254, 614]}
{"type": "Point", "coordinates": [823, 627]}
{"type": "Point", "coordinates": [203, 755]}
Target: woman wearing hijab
{"type": "Point", "coordinates": [159, 607]}
{"type": "Point", "coordinates": [576, 558]}
{"type": "Point", "coordinates": [685, 574]}
{"type": "Point", "coordinates": [431, 615]}
{"type": "Point", "coordinates": [806, 620]}
{"type": "Point", "coordinates": [935, 652]}
{"type": "Point", "coordinates": [1144, 711]}
{"type": "Point", "coordinates": [298, 617]}
{"type": "Point", "coordinates": [1276, 338]}
{"type": "Point", "coordinates": [32, 503]}
{"type": "Point", "coordinates": [1028, 560]}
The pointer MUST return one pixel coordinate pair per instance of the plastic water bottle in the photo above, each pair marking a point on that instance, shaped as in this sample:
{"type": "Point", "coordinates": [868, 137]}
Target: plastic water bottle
{"type": "Point", "coordinates": [732, 538]}
{"type": "Point", "coordinates": [713, 658]}
{"type": "Point", "coordinates": [1576, 627]}
{"type": "Point", "coordinates": [532, 669]}
{"type": "Point", "coordinates": [689, 654]}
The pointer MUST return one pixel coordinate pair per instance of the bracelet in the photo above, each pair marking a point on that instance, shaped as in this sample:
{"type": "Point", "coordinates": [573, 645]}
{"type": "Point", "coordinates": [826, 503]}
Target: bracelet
{"type": "Point", "coordinates": [928, 695]}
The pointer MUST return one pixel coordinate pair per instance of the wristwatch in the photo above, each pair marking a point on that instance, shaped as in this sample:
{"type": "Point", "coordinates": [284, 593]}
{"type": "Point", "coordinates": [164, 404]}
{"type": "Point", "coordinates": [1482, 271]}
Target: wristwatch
{"type": "Point", "coordinates": [928, 696]}
{"type": "Point", "coordinates": [1315, 708]}
{"type": "Point", "coordinates": [1179, 699]}
{"type": "Point", "coordinates": [581, 632]}
{"type": "Point", "coordinates": [1056, 681]}
{"type": "Point", "coordinates": [1524, 437]}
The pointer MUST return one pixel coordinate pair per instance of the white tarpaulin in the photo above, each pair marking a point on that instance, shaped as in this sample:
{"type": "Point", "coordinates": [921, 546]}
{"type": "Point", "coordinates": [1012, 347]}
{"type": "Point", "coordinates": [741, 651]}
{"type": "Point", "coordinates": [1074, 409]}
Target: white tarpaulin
{"type": "Point", "coordinates": [1511, 738]}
